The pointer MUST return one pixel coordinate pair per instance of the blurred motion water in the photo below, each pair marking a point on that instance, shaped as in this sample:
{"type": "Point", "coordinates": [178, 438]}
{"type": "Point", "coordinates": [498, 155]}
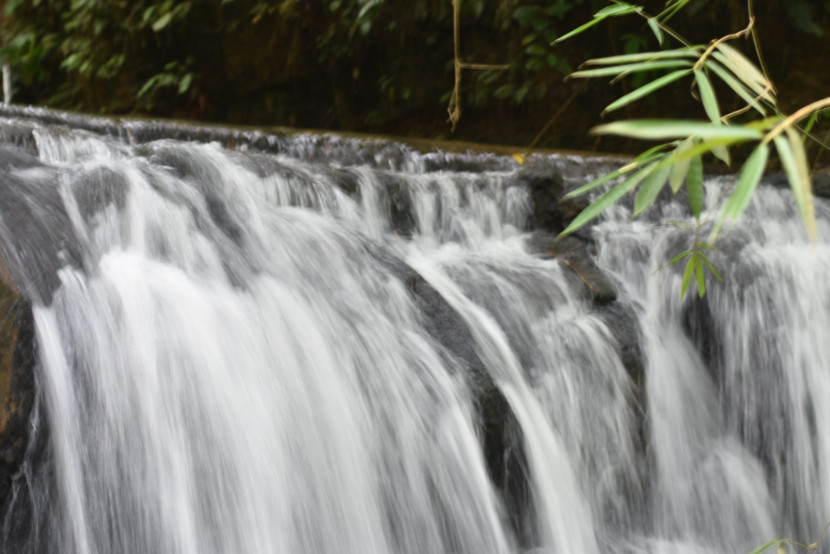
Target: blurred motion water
{"type": "Point", "coordinates": [311, 352]}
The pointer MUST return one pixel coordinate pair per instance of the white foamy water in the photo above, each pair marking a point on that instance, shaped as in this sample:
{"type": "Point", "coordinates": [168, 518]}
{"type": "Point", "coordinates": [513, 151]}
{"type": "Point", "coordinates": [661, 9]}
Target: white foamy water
{"type": "Point", "coordinates": [260, 354]}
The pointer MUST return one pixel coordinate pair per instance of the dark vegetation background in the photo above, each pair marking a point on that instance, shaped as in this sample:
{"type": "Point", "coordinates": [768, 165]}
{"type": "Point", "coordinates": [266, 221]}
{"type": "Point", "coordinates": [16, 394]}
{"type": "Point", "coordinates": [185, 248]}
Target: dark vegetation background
{"type": "Point", "coordinates": [380, 66]}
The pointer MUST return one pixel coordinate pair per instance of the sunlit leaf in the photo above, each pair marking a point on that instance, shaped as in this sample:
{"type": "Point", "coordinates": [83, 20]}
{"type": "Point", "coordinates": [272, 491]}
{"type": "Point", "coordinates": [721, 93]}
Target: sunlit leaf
{"type": "Point", "coordinates": [645, 56]}
{"type": "Point", "coordinates": [162, 21]}
{"type": "Point", "coordinates": [609, 11]}
{"type": "Point", "coordinates": [694, 186]}
{"type": "Point", "coordinates": [656, 129]}
{"type": "Point", "coordinates": [747, 181]}
{"type": "Point", "coordinates": [654, 24]}
{"type": "Point", "coordinates": [707, 96]}
{"type": "Point", "coordinates": [722, 153]}
{"type": "Point", "coordinates": [647, 89]}
{"type": "Point", "coordinates": [606, 200]}
{"type": "Point", "coordinates": [793, 159]}
{"type": "Point", "coordinates": [745, 70]}
{"type": "Point", "coordinates": [735, 85]}
{"type": "Point", "coordinates": [650, 188]}
{"type": "Point", "coordinates": [680, 167]}
{"type": "Point", "coordinates": [629, 68]}
{"type": "Point", "coordinates": [618, 9]}
{"type": "Point", "coordinates": [646, 157]}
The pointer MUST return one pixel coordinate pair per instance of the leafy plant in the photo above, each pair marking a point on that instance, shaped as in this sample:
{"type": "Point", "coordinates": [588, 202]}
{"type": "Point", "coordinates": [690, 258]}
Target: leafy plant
{"type": "Point", "coordinates": [678, 161]}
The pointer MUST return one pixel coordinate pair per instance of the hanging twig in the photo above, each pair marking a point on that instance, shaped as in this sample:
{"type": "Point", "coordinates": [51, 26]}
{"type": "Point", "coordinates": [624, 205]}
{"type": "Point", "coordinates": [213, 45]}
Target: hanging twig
{"type": "Point", "coordinates": [454, 106]}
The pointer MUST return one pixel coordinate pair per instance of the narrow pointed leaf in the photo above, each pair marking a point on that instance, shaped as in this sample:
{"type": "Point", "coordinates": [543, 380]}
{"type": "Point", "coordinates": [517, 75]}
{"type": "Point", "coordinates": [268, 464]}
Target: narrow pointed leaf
{"type": "Point", "coordinates": [610, 11]}
{"type": "Point", "coordinates": [765, 546]}
{"type": "Point", "coordinates": [700, 277]}
{"type": "Point", "coordinates": [593, 184]}
{"type": "Point", "coordinates": [680, 256]}
{"type": "Point", "coordinates": [672, 9]}
{"type": "Point", "coordinates": [646, 157]}
{"type": "Point", "coordinates": [794, 159]}
{"type": "Point", "coordinates": [650, 188]}
{"type": "Point", "coordinates": [746, 72]}
{"type": "Point", "coordinates": [671, 129]}
{"type": "Point", "coordinates": [699, 149]}
{"type": "Point", "coordinates": [748, 69]}
{"type": "Point", "coordinates": [647, 89]}
{"type": "Point", "coordinates": [694, 186]}
{"type": "Point", "coordinates": [645, 56]}
{"type": "Point", "coordinates": [687, 276]}
{"type": "Point", "coordinates": [722, 153]}
{"type": "Point", "coordinates": [735, 85]}
{"type": "Point", "coordinates": [618, 9]}
{"type": "Point", "coordinates": [614, 70]}
{"type": "Point", "coordinates": [707, 96]}
{"type": "Point", "coordinates": [655, 28]}
{"type": "Point", "coordinates": [680, 167]}
{"type": "Point", "coordinates": [747, 181]}
{"type": "Point", "coordinates": [606, 200]}
{"type": "Point", "coordinates": [710, 266]}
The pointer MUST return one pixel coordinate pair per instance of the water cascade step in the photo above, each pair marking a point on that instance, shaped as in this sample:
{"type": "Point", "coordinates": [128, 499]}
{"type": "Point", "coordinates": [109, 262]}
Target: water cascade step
{"type": "Point", "coordinates": [227, 341]}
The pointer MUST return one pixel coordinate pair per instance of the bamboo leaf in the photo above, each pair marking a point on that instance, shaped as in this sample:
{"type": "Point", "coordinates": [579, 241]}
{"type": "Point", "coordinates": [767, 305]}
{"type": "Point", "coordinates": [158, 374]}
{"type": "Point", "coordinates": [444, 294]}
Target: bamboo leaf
{"type": "Point", "coordinates": [618, 9]}
{"type": "Point", "coordinates": [793, 158]}
{"type": "Point", "coordinates": [645, 56]}
{"type": "Point", "coordinates": [610, 11]}
{"type": "Point", "coordinates": [735, 85]}
{"type": "Point", "coordinates": [593, 184]}
{"type": "Point", "coordinates": [694, 186]}
{"type": "Point", "coordinates": [747, 68]}
{"type": "Point", "coordinates": [606, 200]}
{"type": "Point", "coordinates": [650, 188]}
{"type": "Point", "coordinates": [722, 153]}
{"type": "Point", "coordinates": [699, 148]}
{"type": "Point", "coordinates": [764, 547]}
{"type": "Point", "coordinates": [680, 168]}
{"type": "Point", "coordinates": [646, 157]}
{"type": "Point", "coordinates": [746, 71]}
{"type": "Point", "coordinates": [629, 68]}
{"type": "Point", "coordinates": [699, 275]}
{"type": "Point", "coordinates": [687, 276]}
{"type": "Point", "coordinates": [747, 181]}
{"type": "Point", "coordinates": [672, 129]}
{"type": "Point", "coordinates": [707, 96]}
{"type": "Point", "coordinates": [680, 256]}
{"type": "Point", "coordinates": [581, 29]}
{"type": "Point", "coordinates": [654, 24]}
{"type": "Point", "coordinates": [710, 266]}
{"type": "Point", "coordinates": [647, 89]}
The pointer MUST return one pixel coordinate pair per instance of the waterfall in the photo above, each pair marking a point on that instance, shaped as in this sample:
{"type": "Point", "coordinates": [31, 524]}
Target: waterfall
{"type": "Point", "coordinates": [344, 347]}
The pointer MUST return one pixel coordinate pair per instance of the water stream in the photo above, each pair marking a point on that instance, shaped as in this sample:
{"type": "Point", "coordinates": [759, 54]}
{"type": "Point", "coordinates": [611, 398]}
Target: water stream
{"type": "Point", "coordinates": [307, 351]}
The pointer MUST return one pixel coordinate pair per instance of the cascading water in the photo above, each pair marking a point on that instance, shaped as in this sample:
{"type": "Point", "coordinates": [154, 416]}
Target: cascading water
{"type": "Point", "coordinates": [280, 353]}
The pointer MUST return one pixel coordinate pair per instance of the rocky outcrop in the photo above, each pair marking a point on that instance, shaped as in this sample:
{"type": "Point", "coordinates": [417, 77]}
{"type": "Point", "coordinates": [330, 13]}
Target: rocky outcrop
{"type": "Point", "coordinates": [17, 385]}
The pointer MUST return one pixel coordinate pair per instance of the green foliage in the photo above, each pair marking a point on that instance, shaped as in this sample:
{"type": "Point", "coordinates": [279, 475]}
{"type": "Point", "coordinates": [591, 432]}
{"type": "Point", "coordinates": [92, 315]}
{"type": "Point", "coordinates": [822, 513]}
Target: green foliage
{"type": "Point", "coordinates": [681, 158]}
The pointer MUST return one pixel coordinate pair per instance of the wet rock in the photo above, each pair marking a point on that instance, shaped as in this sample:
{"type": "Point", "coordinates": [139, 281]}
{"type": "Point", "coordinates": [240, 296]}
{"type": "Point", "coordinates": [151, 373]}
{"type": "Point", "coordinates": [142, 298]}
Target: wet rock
{"type": "Point", "coordinates": [36, 230]}
{"type": "Point", "coordinates": [575, 254]}
{"type": "Point", "coordinates": [17, 386]}
{"type": "Point", "coordinates": [99, 188]}
{"type": "Point", "coordinates": [546, 187]}
{"type": "Point", "coordinates": [502, 450]}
